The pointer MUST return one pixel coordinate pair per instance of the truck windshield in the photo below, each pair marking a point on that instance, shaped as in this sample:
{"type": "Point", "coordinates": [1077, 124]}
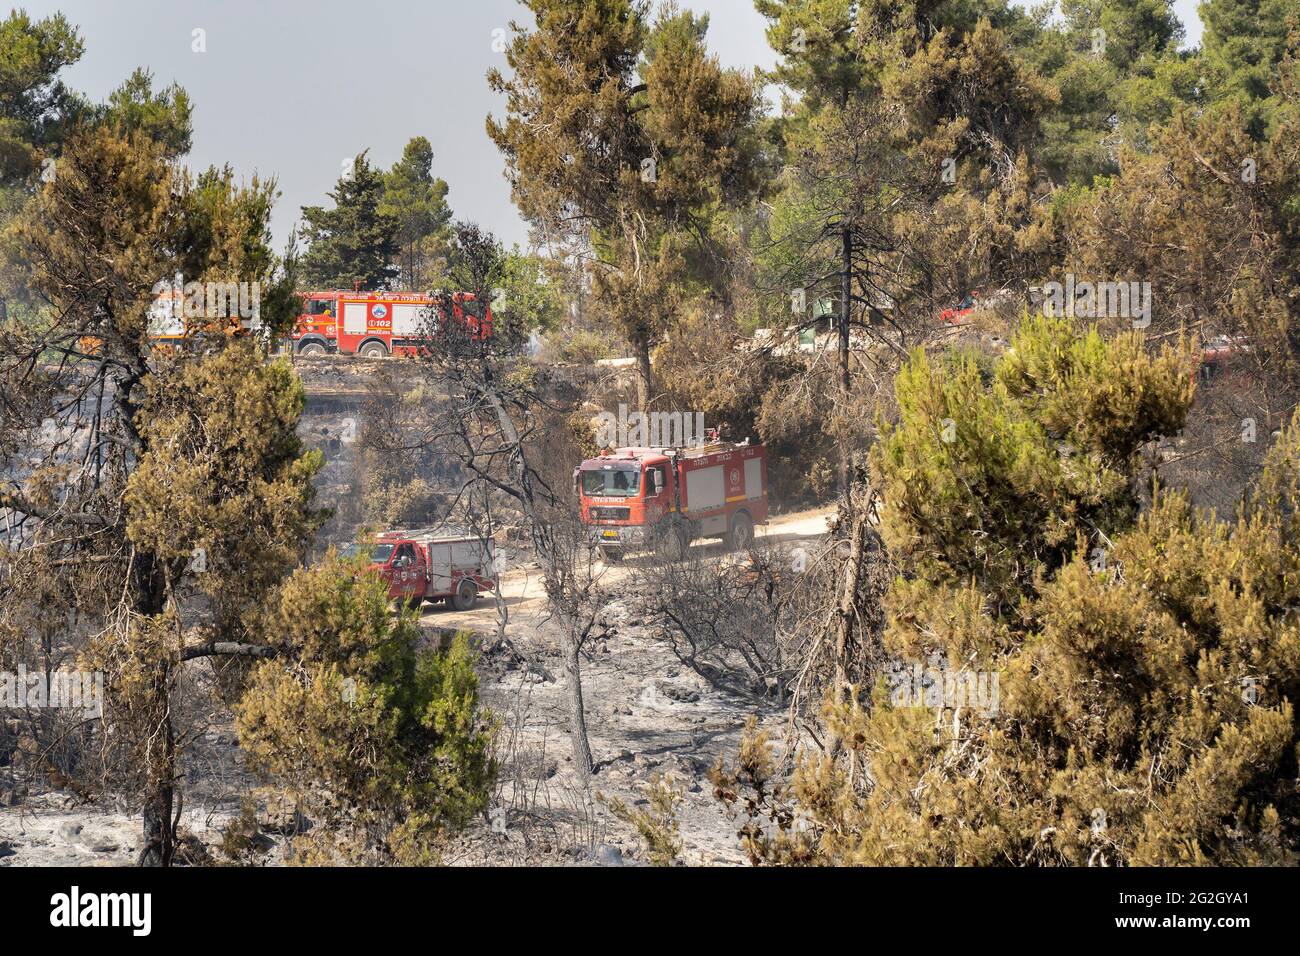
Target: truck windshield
{"type": "Point", "coordinates": [611, 482]}
{"type": "Point", "coordinates": [381, 553]}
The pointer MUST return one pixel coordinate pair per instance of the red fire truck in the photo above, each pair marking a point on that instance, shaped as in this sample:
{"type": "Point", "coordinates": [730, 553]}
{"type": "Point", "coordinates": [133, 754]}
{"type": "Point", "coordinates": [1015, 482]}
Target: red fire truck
{"type": "Point", "coordinates": [376, 324]}
{"type": "Point", "coordinates": [664, 498]}
{"type": "Point", "coordinates": [424, 566]}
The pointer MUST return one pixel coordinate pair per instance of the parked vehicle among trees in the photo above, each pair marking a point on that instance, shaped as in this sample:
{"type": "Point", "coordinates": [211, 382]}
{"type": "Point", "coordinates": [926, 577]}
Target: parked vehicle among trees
{"type": "Point", "coordinates": [378, 324]}
{"type": "Point", "coordinates": [424, 566]}
{"type": "Point", "coordinates": [664, 498]}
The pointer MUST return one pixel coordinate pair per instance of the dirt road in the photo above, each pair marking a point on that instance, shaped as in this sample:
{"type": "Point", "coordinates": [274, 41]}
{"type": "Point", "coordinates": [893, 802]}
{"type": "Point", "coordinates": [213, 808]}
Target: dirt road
{"type": "Point", "coordinates": [521, 588]}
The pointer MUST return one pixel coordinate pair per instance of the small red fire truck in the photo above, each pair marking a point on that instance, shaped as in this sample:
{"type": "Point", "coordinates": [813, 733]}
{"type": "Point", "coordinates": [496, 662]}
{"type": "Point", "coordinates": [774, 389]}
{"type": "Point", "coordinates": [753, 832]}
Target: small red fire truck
{"type": "Point", "coordinates": [424, 566]}
{"type": "Point", "coordinates": [664, 498]}
{"type": "Point", "coordinates": [376, 324]}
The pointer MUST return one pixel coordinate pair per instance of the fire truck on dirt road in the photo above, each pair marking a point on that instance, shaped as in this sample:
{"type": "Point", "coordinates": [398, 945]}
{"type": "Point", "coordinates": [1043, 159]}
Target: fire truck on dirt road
{"type": "Point", "coordinates": [424, 566]}
{"type": "Point", "coordinates": [664, 498]}
{"type": "Point", "coordinates": [377, 324]}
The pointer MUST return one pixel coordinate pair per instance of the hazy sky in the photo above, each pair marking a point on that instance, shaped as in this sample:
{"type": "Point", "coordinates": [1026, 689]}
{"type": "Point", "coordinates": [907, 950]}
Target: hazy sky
{"type": "Point", "coordinates": [292, 88]}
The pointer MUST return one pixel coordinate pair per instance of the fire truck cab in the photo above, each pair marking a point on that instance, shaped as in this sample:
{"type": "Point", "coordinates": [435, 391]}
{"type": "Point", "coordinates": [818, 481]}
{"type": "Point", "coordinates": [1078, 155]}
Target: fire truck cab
{"type": "Point", "coordinates": [424, 566]}
{"type": "Point", "coordinates": [662, 499]}
{"type": "Point", "coordinates": [377, 324]}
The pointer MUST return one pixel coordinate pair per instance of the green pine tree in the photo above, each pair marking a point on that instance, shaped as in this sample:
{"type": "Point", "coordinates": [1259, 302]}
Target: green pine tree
{"type": "Point", "coordinates": [164, 117]}
{"type": "Point", "coordinates": [418, 201]}
{"type": "Point", "coordinates": [34, 103]}
{"type": "Point", "coordinates": [1105, 687]}
{"type": "Point", "coordinates": [625, 135]}
{"type": "Point", "coordinates": [1243, 45]}
{"type": "Point", "coordinates": [356, 242]}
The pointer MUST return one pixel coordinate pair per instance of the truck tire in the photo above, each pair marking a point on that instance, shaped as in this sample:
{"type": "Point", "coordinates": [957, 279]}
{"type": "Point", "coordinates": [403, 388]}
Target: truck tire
{"type": "Point", "coordinates": [611, 555]}
{"type": "Point", "coordinates": [741, 534]}
{"type": "Point", "coordinates": [415, 602]}
{"type": "Point", "coordinates": [312, 348]}
{"type": "Point", "coordinates": [373, 350]}
{"type": "Point", "coordinates": [465, 596]}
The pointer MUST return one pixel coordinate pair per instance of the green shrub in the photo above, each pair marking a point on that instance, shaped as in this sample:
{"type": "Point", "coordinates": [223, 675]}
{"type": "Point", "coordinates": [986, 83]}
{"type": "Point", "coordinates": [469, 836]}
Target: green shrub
{"type": "Point", "coordinates": [370, 730]}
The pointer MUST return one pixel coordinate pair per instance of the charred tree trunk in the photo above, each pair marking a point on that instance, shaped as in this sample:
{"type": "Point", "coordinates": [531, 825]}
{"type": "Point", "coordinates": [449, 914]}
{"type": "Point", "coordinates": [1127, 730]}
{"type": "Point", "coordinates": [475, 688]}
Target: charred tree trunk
{"type": "Point", "coordinates": [160, 761]}
{"type": "Point", "coordinates": [846, 614]}
{"type": "Point", "coordinates": [150, 586]}
{"type": "Point", "coordinates": [846, 299]}
{"type": "Point", "coordinates": [582, 759]}
{"type": "Point", "coordinates": [856, 620]}
{"type": "Point", "coordinates": [546, 558]}
{"type": "Point", "coordinates": [644, 375]}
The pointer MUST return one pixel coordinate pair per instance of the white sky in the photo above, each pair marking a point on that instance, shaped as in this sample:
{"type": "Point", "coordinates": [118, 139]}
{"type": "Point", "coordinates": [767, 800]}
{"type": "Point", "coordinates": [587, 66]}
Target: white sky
{"type": "Point", "coordinates": [292, 88]}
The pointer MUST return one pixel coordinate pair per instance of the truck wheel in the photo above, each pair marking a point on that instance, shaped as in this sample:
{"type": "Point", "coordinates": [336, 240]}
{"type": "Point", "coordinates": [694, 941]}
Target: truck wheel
{"type": "Point", "coordinates": [611, 556]}
{"type": "Point", "coordinates": [373, 350]}
{"type": "Point", "coordinates": [311, 348]}
{"type": "Point", "coordinates": [415, 602]}
{"type": "Point", "coordinates": [741, 535]}
{"type": "Point", "coordinates": [465, 596]}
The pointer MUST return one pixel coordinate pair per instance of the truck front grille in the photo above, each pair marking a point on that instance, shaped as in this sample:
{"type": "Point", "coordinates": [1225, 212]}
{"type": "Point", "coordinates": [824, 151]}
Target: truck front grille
{"type": "Point", "coordinates": [610, 514]}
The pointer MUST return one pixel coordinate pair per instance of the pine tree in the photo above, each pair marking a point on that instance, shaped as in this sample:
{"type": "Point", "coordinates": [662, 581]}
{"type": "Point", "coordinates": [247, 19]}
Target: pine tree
{"type": "Point", "coordinates": [625, 135]}
{"type": "Point", "coordinates": [34, 102]}
{"type": "Point", "coordinates": [173, 482]}
{"type": "Point", "coordinates": [1146, 664]}
{"type": "Point", "coordinates": [355, 243]}
{"type": "Point", "coordinates": [36, 109]}
{"type": "Point", "coordinates": [399, 749]}
{"type": "Point", "coordinates": [172, 507]}
{"type": "Point", "coordinates": [1117, 68]}
{"type": "Point", "coordinates": [164, 117]}
{"type": "Point", "coordinates": [418, 202]}
{"type": "Point", "coordinates": [1243, 45]}
{"type": "Point", "coordinates": [909, 178]}
{"type": "Point", "coordinates": [1229, 199]}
